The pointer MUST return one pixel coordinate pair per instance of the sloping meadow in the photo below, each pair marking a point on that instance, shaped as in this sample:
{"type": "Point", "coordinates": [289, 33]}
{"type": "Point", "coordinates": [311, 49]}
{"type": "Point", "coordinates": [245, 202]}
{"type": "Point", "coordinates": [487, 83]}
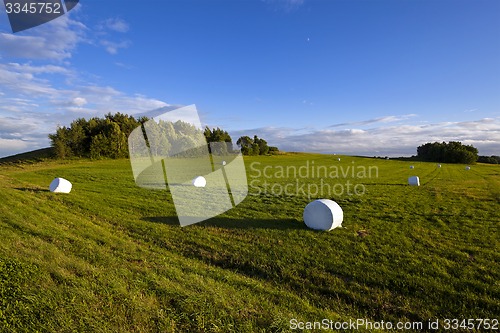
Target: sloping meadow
{"type": "Point", "coordinates": [111, 256]}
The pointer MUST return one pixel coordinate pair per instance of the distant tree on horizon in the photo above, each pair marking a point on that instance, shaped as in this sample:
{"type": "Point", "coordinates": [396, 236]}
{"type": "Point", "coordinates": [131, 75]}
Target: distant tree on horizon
{"type": "Point", "coordinates": [218, 135]}
{"type": "Point", "coordinates": [451, 152]}
{"type": "Point", "coordinates": [493, 159]}
{"type": "Point", "coordinates": [255, 146]}
{"type": "Point", "coordinates": [245, 143]}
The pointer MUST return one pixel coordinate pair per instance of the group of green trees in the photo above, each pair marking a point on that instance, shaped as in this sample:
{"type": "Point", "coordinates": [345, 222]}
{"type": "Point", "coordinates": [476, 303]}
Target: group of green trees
{"type": "Point", "coordinates": [218, 135]}
{"type": "Point", "coordinates": [493, 159]}
{"type": "Point", "coordinates": [451, 152]}
{"type": "Point", "coordinates": [255, 146]}
{"type": "Point", "coordinates": [108, 138]}
{"type": "Point", "coordinates": [96, 137]}
{"type": "Point", "coordinates": [167, 138]}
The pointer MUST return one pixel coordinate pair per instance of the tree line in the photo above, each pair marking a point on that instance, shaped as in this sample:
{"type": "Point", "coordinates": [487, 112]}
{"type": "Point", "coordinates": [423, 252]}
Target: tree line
{"type": "Point", "coordinates": [96, 137]}
{"type": "Point", "coordinates": [493, 159]}
{"type": "Point", "coordinates": [255, 146]}
{"type": "Point", "coordinates": [108, 138]}
{"type": "Point", "coordinates": [451, 152]}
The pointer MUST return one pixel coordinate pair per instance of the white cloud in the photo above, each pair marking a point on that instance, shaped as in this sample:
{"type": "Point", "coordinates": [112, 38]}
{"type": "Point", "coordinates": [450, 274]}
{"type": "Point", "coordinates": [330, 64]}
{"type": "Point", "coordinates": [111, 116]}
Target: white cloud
{"type": "Point", "coordinates": [45, 69]}
{"type": "Point", "coordinates": [57, 39]}
{"type": "Point", "coordinates": [284, 5]}
{"type": "Point", "coordinates": [20, 134]}
{"type": "Point", "coordinates": [39, 90]}
{"type": "Point", "coordinates": [383, 140]}
{"type": "Point", "coordinates": [112, 25]}
{"type": "Point", "coordinates": [32, 106]}
{"type": "Point", "coordinates": [11, 127]}
{"type": "Point", "coordinates": [79, 101]}
{"type": "Point", "coordinates": [100, 91]}
{"type": "Point", "coordinates": [23, 83]}
{"type": "Point", "coordinates": [116, 24]}
{"type": "Point", "coordinates": [28, 86]}
{"type": "Point", "coordinates": [122, 65]}
{"type": "Point", "coordinates": [113, 47]}
{"type": "Point", "coordinates": [386, 119]}
{"type": "Point", "coordinates": [16, 105]}
{"type": "Point", "coordinates": [13, 146]}
{"type": "Point", "coordinates": [54, 40]}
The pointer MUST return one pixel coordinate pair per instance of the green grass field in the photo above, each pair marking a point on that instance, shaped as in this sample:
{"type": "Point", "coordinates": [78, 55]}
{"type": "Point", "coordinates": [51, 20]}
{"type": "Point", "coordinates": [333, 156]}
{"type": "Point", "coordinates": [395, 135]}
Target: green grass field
{"type": "Point", "coordinates": [111, 257]}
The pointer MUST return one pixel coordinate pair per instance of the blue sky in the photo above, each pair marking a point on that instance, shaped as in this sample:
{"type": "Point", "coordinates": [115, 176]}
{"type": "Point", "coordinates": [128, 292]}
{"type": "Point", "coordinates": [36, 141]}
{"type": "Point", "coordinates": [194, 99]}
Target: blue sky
{"type": "Point", "coordinates": [346, 76]}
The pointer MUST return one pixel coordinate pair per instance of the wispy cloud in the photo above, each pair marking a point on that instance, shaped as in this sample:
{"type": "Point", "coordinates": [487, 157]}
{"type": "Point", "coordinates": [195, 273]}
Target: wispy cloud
{"type": "Point", "coordinates": [13, 146]}
{"type": "Point", "coordinates": [28, 87]}
{"type": "Point", "coordinates": [386, 119]}
{"type": "Point", "coordinates": [43, 69]}
{"type": "Point", "coordinates": [471, 110]}
{"type": "Point", "coordinates": [106, 32]}
{"type": "Point", "coordinates": [21, 133]}
{"type": "Point", "coordinates": [284, 5]}
{"type": "Point", "coordinates": [122, 65]}
{"type": "Point", "coordinates": [39, 89]}
{"type": "Point", "coordinates": [15, 79]}
{"type": "Point", "coordinates": [116, 24]}
{"type": "Point", "coordinates": [390, 140]}
{"type": "Point", "coordinates": [113, 47]}
{"type": "Point", "coordinates": [26, 123]}
{"type": "Point", "coordinates": [55, 40]}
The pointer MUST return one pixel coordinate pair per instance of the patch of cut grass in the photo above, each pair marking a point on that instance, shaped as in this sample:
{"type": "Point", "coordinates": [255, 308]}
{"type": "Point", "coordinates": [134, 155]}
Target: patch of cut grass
{"type": "Point", "coordinates": [111, 256]}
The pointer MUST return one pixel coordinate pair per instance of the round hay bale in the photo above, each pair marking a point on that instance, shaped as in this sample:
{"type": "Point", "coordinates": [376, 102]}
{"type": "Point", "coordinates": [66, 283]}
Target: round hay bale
{"type": "Point", "coordinates": [414, 181]}
{"type": "Point", "coordinates": [199, 181]}
{"type": "Point", "coordinates": [60, 185]}
{"type": "Point", "coordinates": [323, 214]}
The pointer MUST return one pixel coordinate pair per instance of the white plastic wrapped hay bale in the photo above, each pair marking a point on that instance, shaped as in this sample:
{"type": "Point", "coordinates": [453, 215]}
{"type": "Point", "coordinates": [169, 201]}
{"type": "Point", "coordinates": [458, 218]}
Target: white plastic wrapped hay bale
{"type": "Point", "coordinates": [323, 214]}
{"type": "Point", "coordinates": [414, 181]}
{"type": "Point", "coordinates": [199, 181]}
{"type": "Point", "coordinates": [60, 185]}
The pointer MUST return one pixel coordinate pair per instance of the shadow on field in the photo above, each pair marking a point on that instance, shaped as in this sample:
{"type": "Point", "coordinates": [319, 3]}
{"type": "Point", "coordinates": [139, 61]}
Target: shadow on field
{"type": "Point", "coordinates": [32, 189]}
{"type": "Point", "coordinates": [279, 224]}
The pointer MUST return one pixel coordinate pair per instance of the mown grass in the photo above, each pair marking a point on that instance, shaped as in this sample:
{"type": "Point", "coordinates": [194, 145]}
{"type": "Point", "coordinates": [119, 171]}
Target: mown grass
{"type": "Point", "coordinates": [111, 257]}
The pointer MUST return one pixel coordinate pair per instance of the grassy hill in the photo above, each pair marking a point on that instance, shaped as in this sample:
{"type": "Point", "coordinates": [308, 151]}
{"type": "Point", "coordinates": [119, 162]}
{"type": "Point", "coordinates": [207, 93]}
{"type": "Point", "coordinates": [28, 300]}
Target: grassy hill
{"type": "Point", "coordinates": [111, 257]}
{"type": "Point", "coordinates": [29, 157]}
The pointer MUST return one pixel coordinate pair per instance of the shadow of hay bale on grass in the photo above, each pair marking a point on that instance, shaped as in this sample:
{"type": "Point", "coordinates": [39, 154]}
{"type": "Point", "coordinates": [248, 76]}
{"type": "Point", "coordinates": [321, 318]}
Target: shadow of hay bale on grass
{"type": "Point", "coordinates": [280, 224]}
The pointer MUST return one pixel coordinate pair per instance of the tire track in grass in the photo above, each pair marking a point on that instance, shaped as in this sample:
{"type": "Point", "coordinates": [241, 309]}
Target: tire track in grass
{"type": "Point", "coordinates": [432, 176]}
{"type": "Point", "coordinates": [491, 186]}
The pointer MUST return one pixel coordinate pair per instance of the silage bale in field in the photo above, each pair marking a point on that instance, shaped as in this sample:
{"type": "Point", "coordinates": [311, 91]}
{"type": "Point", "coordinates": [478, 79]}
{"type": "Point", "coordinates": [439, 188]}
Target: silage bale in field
{"type": "Point", "coordinates": [60, 185]}
{"type": "Point", "coordinates": [323, 214]}
{"type": "Point", "coordinates": [414, 181]}
{"type": "Point", "coordinates": [199, 181]}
